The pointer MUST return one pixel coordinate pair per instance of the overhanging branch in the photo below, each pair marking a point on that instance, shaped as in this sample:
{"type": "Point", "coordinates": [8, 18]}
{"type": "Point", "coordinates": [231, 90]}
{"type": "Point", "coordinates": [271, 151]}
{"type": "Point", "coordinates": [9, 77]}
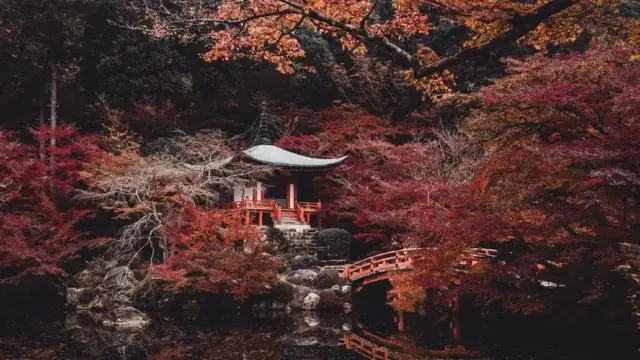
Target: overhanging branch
{"type": "Point", "coordinates": [521, 25]}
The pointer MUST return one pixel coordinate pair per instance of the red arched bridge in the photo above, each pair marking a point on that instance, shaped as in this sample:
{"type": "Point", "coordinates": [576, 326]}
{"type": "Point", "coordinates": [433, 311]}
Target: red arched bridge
{"type": "Point", "coordinates": [376, 268]}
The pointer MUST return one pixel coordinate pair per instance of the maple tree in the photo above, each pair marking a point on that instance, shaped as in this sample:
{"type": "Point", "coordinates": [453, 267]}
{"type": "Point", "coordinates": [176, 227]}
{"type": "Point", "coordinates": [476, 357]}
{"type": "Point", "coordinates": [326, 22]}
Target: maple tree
{"type": "Point", "coordinates": [37, 215]}
{"type": "Point", "coordinates": [268, 29]}
{"type": "Point", "coordinates": [556, 198]}
{"type": "Point", "coordinates": [385, 176]}
{"type": "Point", "coordinates": [215, 252]}
{"type": "Point", "coordinates": [559, 99]}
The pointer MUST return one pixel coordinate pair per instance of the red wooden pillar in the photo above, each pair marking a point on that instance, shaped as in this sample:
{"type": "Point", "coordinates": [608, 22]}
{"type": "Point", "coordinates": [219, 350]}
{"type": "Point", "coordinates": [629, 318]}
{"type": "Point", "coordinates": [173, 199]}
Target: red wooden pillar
{"type": "Point", "coordinates": [247, 219]}
{"type": "Point", "coordinates": [400, 321]}
{"type": "Point", "coordinates": [260, 218]}
{"type": "Point", "coordinates": [347, 341]}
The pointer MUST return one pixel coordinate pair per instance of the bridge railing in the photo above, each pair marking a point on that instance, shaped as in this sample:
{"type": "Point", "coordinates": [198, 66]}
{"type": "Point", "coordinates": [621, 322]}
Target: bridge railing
{"type": "Point", "coordinates": [403, 259]}
{"type": "Point", "coordinates": [393, 260]}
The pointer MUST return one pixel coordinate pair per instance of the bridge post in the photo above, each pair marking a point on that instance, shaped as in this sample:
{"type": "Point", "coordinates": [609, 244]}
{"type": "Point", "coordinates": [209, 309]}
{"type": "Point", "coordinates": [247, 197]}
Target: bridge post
{"type": "Point", "coordinates": [260, 218]}
{"type": "Point", "coordinates": [345, 275]}
{"type": "Point", "coordinates": [400, 321]}
{"type": "Point", "coordinates": [347, 341]}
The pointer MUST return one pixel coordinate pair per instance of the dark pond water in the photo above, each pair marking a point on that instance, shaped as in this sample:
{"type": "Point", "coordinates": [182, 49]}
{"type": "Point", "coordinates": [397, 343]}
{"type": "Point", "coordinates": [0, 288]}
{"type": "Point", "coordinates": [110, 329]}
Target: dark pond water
{"type": "Point", "coordinates": [368, 334]}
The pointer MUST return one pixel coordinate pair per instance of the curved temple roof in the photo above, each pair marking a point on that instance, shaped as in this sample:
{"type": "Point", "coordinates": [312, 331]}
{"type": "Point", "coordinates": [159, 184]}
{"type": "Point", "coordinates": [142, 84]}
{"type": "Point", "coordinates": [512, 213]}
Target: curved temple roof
{"type": "Point", "coordinates": [273, 155]}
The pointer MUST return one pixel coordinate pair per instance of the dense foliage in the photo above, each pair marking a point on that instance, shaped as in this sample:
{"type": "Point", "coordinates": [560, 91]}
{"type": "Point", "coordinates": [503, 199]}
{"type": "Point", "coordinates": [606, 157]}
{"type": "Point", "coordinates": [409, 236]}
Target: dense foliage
{"type": "Point", "coordinates": [38, 221]}
{"type": "Point", "coordinates": [212, 252]}
{"type": "Point", "coordinates": [506, 124]}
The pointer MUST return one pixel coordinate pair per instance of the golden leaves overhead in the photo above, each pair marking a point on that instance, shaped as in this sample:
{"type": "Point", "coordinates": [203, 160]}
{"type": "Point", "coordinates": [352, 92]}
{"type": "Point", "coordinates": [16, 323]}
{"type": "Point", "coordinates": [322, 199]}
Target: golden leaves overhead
{"type": "Point", "coordinates": [271, 30]}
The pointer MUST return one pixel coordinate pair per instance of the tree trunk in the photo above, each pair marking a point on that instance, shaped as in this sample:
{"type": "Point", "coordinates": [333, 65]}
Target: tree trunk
{"type": "Point", "coordinates": [54, 102]}
{"type": "Point", "coordinates": [41, 121]}
{"type": "Point", "coordinates": [53, 123]}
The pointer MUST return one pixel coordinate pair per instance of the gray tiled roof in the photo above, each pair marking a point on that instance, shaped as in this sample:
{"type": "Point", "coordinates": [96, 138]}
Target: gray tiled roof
{"type": "Point", "coordinates": [273, 155]}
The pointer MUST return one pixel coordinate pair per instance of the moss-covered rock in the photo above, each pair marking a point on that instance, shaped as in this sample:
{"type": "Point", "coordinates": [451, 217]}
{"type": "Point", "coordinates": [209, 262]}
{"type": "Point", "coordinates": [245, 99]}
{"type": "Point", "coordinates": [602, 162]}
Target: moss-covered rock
{"type": "Point", "coordinates": [327, 279]}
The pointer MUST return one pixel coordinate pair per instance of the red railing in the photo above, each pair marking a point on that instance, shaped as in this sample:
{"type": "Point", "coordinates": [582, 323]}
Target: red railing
{"type": "Point", "coordinates": [251, 204]}
{"type": "Point", "coordinates": [302, 210]}
{"type": "Point", "coordinates": [402, 260]}
{"type": "Point", "coordinates": [277, 210]}
{"type": "Point", "coordinates": [393, 260]}
{"type": "Point", "coordinates": [299, 212]}
{"type": "Point", "coordinates": [310, 206]}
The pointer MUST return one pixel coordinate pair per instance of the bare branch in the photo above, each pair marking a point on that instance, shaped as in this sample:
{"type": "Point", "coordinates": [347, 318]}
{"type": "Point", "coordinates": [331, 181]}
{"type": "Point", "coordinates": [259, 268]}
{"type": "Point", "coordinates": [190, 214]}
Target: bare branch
{"type": "Point", "coordinates": [150, 190]}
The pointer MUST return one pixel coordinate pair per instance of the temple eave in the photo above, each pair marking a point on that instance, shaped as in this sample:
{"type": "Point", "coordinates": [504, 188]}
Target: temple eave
{"type": "Point", "coordinates": [274, 156]}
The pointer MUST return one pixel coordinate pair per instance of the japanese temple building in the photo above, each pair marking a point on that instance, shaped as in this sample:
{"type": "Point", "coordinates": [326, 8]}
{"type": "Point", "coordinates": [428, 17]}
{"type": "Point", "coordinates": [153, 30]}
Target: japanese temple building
{"type": "Point", "coordinates": [286, 199]}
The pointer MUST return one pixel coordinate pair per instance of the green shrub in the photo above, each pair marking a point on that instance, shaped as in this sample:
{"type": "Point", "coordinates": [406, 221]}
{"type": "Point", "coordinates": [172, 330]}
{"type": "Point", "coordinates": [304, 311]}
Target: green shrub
{"type": "Point", "coordinates": [337, 240]}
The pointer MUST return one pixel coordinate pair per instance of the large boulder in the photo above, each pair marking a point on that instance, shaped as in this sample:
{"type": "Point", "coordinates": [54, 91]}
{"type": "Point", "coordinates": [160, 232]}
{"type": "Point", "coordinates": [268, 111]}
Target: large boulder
{"type": "Point", "coordinates": [105, 295]}
{"type": "Point", "coordinates": [73, 297]}
{"type": "Point", "coordinates": [303, 277]}
{"type": "Point", "coordinates": [327, 279]}
{"type": "Point", "coordinates": [311, 301]}
{"type": "Point", "coordinates": [119, 278]}
{"type": "Point", "coordinates": [338, 242]}
{"type": "Point", "coordinates": [93, 274]}
{"type": "Point", "coordinates": [127, 317]}
{"type": "Point", "coordinates": [282, 291]}
{"type": "Point", "coordinates": [303, 260]}
{"type": "Point", "coordinates": [330, 299]}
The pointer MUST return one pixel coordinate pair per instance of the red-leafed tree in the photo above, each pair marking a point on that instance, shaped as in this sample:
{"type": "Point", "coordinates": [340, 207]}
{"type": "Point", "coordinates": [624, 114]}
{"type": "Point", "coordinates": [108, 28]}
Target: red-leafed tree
{"type": "Point", "coordinates": [392, 168]}
{"type": "Point", "coordinates": [559, 192]}
{"type": "Point", "coordinates": [38, 220]}
{"type": "Point", "coordinates": [215, 252]}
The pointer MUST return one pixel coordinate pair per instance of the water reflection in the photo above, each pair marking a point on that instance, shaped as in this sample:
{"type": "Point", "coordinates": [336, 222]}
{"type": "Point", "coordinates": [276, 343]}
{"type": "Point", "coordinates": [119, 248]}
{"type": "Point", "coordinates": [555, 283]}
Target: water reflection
{"type": "Point", "coordinates": [299, 336]}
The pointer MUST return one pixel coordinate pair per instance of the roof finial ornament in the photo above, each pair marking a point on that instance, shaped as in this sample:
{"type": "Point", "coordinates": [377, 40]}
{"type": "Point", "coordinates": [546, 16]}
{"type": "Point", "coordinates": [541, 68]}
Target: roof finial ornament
{"type": "Point", "coordinates": [266, 129]}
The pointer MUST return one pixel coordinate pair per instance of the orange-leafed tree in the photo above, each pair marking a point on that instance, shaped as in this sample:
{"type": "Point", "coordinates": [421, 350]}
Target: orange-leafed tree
{"type": "Point", "coordinates": [270, 30]}
{"type": "Point", "coordinates": [214, 252]}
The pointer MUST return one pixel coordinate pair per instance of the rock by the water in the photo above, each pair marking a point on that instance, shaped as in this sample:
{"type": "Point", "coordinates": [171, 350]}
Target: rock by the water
{"type": "Point", "coordinates": [283, 291]}
{"type": "Point", "coordinates": [312, 320]}
{"type": "Point", "coordinates": [106, 296]}
{"type": "Point", "coordinates": [277, 305]}
{"type": "Point", "coordinates": [330, 300]}
{"type": "Point", "coordinates": [127, 317]}
{"type": "Point", "coordinates": [120, 277]}
{"type": "Point", "coordinates": [299, 261]}
{"type": "Point", "coordinates": [347, 307]}
{"type": "Point", "coordinates": [99, 303]}
{"type": "Point", "coordinates": [327, 279]}
{"type": "Point", "coordinates": [73, 297]}
{"type": "Point", "coordinates": [312, 301]}
{"type": "Point", "coordinates": [303, 277]}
